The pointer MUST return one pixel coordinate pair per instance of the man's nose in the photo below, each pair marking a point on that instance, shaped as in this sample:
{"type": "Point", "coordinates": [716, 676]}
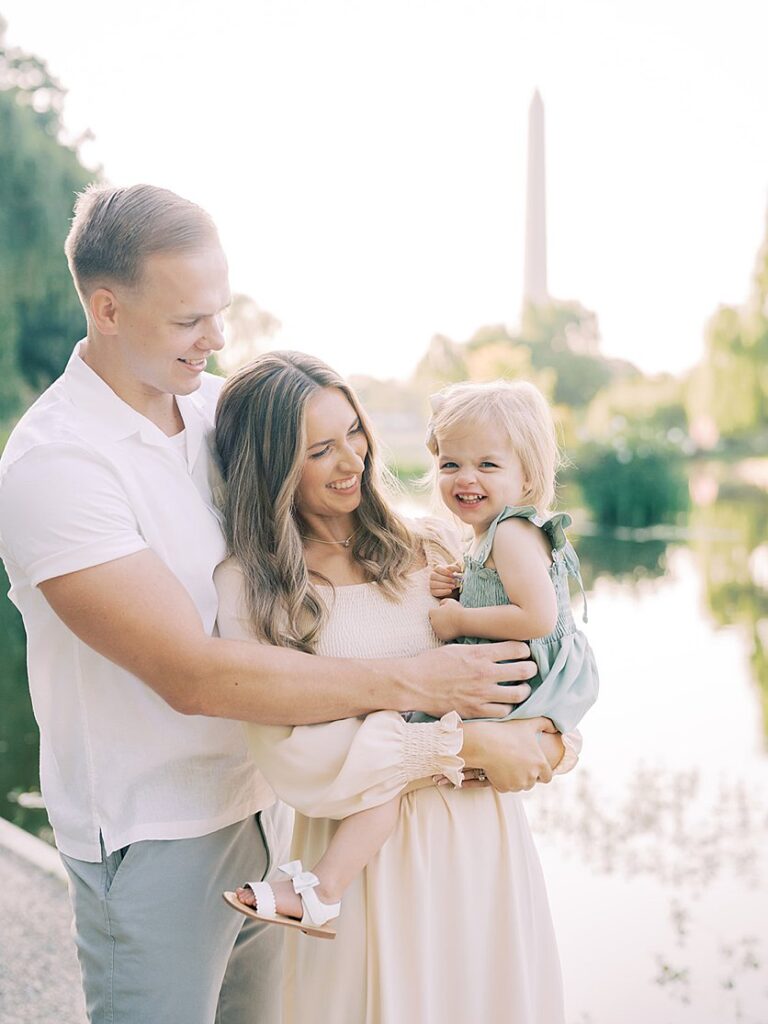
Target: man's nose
{"type": "Point", "coordinates": [214, 334]}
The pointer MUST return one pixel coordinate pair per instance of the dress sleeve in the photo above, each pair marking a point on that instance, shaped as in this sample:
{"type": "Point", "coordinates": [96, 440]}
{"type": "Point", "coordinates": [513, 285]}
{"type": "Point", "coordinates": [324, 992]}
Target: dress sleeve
{"type": "Point", "coordinates": [338, 768]}
{"type": "Point", "coordinates": [572, 742]}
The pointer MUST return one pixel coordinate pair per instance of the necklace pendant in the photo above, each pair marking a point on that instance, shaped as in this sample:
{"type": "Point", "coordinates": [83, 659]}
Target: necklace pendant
{"type": "Point", "coordinates": [346, 542]}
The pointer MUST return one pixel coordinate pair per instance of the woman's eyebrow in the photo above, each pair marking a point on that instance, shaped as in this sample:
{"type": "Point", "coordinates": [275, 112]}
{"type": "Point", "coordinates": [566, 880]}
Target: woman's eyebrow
{"type": "Point", "coordinates": [330, 440]}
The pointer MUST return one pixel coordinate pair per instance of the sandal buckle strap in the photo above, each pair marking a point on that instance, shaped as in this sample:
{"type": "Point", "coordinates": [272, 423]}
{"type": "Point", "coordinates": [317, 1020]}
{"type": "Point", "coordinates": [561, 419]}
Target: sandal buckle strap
{"type": "Point", "coordinates": [265, 897]}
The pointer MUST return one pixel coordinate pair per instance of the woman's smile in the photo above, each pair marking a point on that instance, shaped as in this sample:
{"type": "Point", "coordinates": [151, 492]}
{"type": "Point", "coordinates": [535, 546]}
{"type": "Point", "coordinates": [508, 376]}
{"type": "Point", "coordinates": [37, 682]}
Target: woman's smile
{"type": "Point", "coordinates": [347, 484]}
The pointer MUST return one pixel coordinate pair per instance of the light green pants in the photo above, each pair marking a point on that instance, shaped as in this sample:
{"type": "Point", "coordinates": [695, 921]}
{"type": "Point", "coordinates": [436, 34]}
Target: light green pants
{"type": "Point", "coordinates": [155, 940]}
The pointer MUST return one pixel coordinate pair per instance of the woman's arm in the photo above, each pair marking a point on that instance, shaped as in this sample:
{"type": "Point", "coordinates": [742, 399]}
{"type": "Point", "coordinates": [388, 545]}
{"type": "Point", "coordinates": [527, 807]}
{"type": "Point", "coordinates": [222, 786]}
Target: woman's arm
{"type": "Point", "coordinates": [340, 768]}
{"type": "Point", "coordinates": [514, 755]}
{"type": "Point", "coordinates": [521, 562]}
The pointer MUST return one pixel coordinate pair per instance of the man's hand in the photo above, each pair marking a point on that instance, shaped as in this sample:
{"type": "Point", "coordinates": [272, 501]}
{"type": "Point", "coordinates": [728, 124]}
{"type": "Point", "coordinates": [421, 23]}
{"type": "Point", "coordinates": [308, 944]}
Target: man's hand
{"type": "Point", "coordinates": [445, 619]}
{"type": "Point", "coordinates": [467, 679]}
{"type": "Point", "coordinates": [444, 580]}
{"type": "Point", "coordinates": [509, 753]}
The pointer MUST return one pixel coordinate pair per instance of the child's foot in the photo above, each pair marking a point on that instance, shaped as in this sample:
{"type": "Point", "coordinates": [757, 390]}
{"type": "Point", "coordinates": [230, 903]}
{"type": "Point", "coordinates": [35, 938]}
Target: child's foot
{"type": "Point", "coordinates": [287, 902]}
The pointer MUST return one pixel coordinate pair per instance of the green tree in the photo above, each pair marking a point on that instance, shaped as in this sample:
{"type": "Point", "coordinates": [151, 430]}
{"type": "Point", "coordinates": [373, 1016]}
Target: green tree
{"type": "Point", "coordinates": [640, 407]}
{"type": "Point", "coordinates": [444, 363]}
{"type": "Point", "coordinates": [730, 386]}
{"type": "Point", "coordinates": [564, 337]}
{"type": "Point", "coordinates": [40, 316]}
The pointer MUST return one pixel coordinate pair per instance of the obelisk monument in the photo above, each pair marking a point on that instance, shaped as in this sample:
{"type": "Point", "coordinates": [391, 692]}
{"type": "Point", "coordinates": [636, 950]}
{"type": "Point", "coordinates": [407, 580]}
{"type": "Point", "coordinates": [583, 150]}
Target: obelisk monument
{"type": "Point", "coordinates": [535, 280]}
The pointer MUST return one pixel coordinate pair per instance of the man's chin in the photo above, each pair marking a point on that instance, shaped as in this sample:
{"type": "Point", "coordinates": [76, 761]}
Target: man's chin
{"type": "Point", "coordinates": [188, 386]}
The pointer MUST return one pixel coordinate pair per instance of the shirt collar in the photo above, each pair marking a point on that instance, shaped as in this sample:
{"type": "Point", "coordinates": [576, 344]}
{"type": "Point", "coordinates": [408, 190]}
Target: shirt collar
{"type": "Point", "coordinates": [192, 411]}
{"type": "Point", "coordinates": [106, 417]}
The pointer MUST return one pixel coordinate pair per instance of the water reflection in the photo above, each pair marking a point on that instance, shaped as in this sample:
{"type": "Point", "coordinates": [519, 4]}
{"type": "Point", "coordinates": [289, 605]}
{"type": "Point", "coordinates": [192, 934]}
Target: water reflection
{"type": "Point", "coordinates": [624, 559]}
{"type": "Point", "coordinates": [665, 826]}
{"type": "Point", "coordinates": [695, 842]}
{"type": "Point", "coordinates": [729, 541]}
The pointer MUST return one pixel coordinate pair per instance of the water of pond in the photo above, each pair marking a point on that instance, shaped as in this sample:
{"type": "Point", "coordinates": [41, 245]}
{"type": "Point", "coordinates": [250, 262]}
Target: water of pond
{"type": "Point", "coordinates": [656, 848]}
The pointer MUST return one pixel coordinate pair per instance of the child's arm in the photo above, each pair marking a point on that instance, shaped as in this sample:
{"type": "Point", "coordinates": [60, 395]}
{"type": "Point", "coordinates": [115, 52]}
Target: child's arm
{"type": "Point", "coordinates": [521, 560]}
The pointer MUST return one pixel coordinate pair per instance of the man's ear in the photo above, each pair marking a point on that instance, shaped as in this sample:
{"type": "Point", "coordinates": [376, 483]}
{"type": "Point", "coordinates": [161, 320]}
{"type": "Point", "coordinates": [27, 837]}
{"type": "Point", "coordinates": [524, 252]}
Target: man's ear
{"type": "Point", "coordinates": [103, 307]}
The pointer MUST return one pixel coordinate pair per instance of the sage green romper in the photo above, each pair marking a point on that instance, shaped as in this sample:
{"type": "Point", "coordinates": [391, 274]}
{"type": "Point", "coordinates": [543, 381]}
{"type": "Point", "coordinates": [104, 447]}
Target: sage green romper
{"type": "Point", "coordinates": [566, 684]}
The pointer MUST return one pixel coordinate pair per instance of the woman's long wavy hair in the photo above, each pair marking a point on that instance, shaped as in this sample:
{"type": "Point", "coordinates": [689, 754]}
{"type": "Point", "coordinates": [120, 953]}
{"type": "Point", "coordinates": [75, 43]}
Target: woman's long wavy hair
{"type": "Point", "coordinates": [261, 442]}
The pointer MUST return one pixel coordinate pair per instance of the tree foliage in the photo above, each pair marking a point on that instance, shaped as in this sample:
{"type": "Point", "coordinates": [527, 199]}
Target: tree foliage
{"type": "Point", "coordinates": [633, 486]}
{"type": "Point", "coordinates": [40, 315]}
{"type": "Point", "coordinates": [556, 347]}
{"type": "Point", "coordinates": [729, 389]}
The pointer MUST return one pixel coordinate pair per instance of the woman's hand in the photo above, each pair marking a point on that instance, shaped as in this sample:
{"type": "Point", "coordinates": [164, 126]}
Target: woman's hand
{"type": "Point", "coordinates": [446, 619]}
{"type": "Point", "coordinates": [472, 778]}
{"type": "Point", "coordinates": [444, 580]}
{"type": "Point", "coordinates": [509, 753]}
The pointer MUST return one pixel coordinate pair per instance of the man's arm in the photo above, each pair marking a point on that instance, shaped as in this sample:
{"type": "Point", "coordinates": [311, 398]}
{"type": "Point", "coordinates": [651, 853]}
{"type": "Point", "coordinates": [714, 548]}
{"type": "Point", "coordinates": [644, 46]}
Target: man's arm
{"type": "Point", "coordinates": [135, 612]}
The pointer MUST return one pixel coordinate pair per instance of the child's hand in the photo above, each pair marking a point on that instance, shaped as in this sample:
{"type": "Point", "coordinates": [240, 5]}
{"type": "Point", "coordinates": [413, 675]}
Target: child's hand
{"type": "Point", "coordinates": [445, 619]}
{"type": "Point", "coordinates": [444, 580]}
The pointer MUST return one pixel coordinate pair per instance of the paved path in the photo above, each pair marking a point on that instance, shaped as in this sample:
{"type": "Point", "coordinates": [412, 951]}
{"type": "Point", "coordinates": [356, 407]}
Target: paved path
{"type": "Point", "coordinates": [39, 976]}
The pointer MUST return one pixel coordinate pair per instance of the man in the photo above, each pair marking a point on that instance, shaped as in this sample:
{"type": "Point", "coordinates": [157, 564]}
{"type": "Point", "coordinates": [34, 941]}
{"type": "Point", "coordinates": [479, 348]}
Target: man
{"type": "Point", "coordinates": [110, 537]}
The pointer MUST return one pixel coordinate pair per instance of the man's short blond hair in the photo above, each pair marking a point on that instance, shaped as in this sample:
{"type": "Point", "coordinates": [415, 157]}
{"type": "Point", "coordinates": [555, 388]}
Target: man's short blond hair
{"type": "Point", "coordinates": [114, 230]}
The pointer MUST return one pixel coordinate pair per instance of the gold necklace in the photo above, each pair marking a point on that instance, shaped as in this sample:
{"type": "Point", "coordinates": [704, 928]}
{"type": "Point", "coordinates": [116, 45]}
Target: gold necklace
{"type": "Point", "coordinates": [344, 543]}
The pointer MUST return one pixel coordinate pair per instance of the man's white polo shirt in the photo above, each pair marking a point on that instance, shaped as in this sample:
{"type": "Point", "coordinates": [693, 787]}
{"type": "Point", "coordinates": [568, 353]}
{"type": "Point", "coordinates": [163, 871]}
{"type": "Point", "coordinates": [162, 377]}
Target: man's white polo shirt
{"type": "Point", "coordinates": [85, 479]}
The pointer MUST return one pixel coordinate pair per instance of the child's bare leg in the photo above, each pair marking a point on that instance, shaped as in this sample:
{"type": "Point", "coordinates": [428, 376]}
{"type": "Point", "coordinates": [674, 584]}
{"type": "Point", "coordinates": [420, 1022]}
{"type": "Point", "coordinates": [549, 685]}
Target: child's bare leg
{"type": "Point", "coordinates": [356, 841]}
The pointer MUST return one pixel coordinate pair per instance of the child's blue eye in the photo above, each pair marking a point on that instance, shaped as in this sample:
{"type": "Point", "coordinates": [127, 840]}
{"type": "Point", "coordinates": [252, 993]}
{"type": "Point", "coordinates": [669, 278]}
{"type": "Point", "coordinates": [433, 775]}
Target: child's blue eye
{"type": "Point", "coordinates": [448, 465]}
{"type": "Point", "coordinates": [493, 465]}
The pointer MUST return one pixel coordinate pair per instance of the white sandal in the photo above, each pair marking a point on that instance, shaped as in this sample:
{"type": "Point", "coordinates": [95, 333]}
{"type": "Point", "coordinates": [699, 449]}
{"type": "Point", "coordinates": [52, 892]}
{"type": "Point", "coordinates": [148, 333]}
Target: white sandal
{"type": "Point", "coordinates": [316, 913]}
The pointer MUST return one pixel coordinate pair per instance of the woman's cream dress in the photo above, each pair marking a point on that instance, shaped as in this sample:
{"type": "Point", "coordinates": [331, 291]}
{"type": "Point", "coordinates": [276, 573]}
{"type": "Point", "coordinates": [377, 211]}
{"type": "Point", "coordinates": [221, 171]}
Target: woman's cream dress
{"type": "Point", "coordinates": [450, 923]}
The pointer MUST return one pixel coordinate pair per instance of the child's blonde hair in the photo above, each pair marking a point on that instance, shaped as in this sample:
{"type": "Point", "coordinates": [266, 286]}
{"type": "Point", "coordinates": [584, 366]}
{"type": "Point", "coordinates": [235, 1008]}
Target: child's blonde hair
{"type": "Point", "coordinates": [521, 411]}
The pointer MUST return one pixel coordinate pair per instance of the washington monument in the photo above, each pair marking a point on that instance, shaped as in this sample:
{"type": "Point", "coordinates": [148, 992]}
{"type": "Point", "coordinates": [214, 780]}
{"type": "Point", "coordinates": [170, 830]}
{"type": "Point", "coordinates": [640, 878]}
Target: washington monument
{"type": "Point", "coordinates": [535, 280]}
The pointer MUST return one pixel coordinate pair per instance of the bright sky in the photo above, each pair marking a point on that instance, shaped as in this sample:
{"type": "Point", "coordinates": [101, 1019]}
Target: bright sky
{"type": "Point", "coordinates": [365, 159]}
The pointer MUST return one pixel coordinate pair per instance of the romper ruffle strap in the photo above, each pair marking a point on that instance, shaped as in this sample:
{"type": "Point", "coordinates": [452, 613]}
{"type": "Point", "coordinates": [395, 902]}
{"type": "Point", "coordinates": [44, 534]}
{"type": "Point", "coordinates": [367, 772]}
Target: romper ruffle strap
{"type": "Point", "coordinates": [554, 527]}
{"type": "Point", "coordinates": [509, 512]}
{"type": "Point", "coordinates": [562, 548]}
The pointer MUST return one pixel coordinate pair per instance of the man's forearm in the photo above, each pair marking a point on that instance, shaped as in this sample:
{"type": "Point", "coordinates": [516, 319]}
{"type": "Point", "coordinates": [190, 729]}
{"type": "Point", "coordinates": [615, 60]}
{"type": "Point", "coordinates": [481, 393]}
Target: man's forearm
{"type": "Point", "coordinates": [277, 686]}
{"type": "Point", "coordinates": [134, 612]}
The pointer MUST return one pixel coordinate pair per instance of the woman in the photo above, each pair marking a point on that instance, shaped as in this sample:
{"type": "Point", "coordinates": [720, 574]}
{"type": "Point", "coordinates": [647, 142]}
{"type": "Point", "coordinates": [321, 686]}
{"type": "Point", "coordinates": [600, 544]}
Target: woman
{"type": "Point", "coordinates": [449, 922]}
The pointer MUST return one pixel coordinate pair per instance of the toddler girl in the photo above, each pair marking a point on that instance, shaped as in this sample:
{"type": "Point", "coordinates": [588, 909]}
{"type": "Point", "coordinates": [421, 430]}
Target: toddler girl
{"type": "Point", "coordinates": [496, 459]}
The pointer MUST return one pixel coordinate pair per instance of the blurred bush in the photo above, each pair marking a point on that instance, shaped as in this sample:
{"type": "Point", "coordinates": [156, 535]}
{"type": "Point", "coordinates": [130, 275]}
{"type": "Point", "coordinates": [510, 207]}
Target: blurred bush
{"type": "Point", "coordinates": [635, 485]}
